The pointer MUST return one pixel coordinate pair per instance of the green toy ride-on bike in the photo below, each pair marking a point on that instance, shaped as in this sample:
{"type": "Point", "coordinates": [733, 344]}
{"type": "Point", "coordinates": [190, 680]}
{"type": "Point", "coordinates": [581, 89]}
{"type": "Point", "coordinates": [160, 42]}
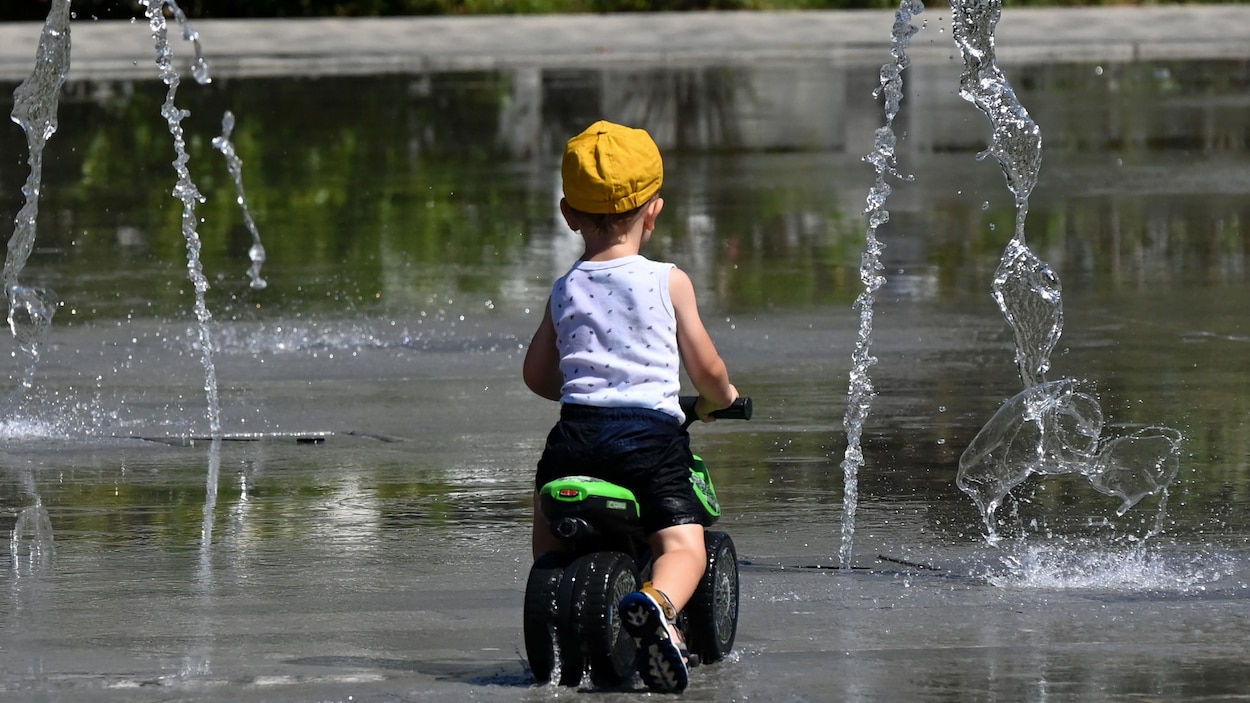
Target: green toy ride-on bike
{"type": "Point", "coordinates": [570, 617]}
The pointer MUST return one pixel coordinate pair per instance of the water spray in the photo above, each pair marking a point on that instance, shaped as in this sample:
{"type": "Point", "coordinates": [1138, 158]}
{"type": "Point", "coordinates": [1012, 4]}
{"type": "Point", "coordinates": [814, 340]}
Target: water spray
{"type": "Point", "coordinates": [1051, 427]}
{"type": "Point", "coordinates": [35, 104]}
{"type": "Point", "coordinates": [185, 190]}
{"type": "Point", "coordinates": [882, 158]}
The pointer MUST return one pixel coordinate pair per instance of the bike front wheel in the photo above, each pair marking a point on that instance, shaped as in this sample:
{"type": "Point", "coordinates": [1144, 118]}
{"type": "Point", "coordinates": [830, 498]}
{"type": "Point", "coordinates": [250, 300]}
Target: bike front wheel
{"type": "Point", "coordinates": [712, 614]}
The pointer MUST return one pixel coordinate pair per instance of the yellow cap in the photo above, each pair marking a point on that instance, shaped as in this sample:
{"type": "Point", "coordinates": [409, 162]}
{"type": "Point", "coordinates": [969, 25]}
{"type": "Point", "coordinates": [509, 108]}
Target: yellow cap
{"type": "Point", "coordinates": [610, 168]}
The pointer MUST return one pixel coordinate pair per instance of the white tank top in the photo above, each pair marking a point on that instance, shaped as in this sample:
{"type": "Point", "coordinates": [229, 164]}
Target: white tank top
{"type": "Point", "coordinates": [617, 335]}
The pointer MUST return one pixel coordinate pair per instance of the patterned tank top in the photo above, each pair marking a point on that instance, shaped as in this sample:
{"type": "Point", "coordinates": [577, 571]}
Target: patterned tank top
{"type": "Point", "coordinates": [617, 335]}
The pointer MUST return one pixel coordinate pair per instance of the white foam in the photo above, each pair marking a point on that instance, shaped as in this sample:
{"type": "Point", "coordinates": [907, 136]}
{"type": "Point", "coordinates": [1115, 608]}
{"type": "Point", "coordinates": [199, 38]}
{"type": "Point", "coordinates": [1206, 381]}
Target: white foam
{"type": "Point", "coordinates": [1138, 569]}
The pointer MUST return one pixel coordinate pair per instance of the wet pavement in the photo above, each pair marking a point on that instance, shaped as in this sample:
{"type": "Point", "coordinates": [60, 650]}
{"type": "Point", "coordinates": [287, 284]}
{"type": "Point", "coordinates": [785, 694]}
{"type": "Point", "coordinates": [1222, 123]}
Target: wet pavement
{"type": "Point", "coordinates": [333, 46]}
{"type": "Point", "coordinates": [388, 562]}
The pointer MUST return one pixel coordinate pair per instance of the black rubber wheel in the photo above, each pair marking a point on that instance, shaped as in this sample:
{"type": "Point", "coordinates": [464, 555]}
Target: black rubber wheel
{"type": "Point", "coordinates": [594, 585]}
{"type": "Point", "coordinates": [712, 614]}
{"type": "Point", "coordinates": [540, 614]}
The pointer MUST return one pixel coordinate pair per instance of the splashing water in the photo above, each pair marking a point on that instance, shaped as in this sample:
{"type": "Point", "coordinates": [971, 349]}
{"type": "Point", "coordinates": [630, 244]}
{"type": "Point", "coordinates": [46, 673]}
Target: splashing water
{"type": "Point", "coordinates": [1026, 290]}
{"type": "Point", "coordinates": [883, 160]}
{"type": "Point", "coordinates": [1050, 427]}
{"type": "Point", "coordinates": [185, 189]}
{"type": "Point", "coordinates": [1093, 566]}
{"type": "Point", "coordinates": [35, 105]}
{"type": "Point", "coordinates": [235, 165]}
{"type": "Point", "coordinates": [1017, 141]}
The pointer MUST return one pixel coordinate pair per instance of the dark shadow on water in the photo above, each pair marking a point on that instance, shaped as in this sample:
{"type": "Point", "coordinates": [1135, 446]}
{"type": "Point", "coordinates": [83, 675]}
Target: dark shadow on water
{"type": "Point", "coordinates": [472, 673]}
{"type": "Point", "coordinates": [911, 568]}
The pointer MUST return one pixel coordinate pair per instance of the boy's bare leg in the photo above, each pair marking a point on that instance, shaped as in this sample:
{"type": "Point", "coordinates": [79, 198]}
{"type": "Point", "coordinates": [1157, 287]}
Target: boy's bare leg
{"type": "Point", "coordinates": [661, 658]}
{"type": "Point", "coordinates": [542, 539]}
{"type": "Point", "coordinates": [681, 559]}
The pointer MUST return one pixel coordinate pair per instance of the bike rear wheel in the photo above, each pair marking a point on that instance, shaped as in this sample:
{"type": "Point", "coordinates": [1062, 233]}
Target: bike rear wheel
{"type": "Point", "coordinates": [592, 587]}
{"type": "Point", "coordinates": [540, 617]}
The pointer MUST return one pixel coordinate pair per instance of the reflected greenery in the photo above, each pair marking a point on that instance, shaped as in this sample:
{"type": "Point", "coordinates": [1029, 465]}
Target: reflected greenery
{"type": "Point", "coordinates": [418, 185]}
{"type": "Point", "coordinates": [337, 179]}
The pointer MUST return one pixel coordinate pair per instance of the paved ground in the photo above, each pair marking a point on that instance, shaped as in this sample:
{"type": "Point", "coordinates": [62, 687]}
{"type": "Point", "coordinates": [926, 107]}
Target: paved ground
{"type": "Point", "coordinates": [277, 47]}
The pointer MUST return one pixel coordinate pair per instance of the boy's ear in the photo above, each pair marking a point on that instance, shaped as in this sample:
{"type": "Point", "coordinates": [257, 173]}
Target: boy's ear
{"type": "Point", "coordinates": [570, 215]}
{"type": "Point", "coordinates": [651, 213]}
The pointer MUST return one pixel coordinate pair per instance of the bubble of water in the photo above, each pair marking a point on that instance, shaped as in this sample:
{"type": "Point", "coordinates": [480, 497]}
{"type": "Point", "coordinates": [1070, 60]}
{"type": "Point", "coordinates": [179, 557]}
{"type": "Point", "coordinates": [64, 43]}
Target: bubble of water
{"type": "Point", "coordinates": [1049, 427]}
{"type": "Point", "coordinates": [1054, 428]}
{"type": "Point", "coordinates": [1030, 296]}
{"type": "Point", "coordinates": [30, 316]}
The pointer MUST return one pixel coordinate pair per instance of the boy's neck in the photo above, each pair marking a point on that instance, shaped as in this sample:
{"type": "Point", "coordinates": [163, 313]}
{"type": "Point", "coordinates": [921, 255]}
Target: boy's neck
{"type": "Point", "coordinates": [605, 249]}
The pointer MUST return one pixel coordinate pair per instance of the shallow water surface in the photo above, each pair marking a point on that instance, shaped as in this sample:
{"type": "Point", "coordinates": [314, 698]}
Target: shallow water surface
{"type": "Point", "coordinates": [361, 533]}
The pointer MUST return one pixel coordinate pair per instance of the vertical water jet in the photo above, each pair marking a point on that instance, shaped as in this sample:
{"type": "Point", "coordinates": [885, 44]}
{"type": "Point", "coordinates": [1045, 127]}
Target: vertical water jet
{"type": "Point", "coordinates": [234, 164]}
{"type": "Point", "coordinates": [1050, 427]}
{"type": "Point", "coordinates": [884, 162]}
{"type": "Point", "coordinates": [35, 104]}
{"type": "Point", "coordinates": [185, 190]}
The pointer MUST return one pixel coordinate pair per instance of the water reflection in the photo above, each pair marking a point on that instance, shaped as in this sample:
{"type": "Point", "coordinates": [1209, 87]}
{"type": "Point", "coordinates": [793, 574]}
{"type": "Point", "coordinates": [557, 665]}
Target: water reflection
{"type": "Point", "coordinates": [403, 203]}
{"type": "Point", "coordinates": [401, 186]}
{"type": "Point", "coordinates": [400, 204]}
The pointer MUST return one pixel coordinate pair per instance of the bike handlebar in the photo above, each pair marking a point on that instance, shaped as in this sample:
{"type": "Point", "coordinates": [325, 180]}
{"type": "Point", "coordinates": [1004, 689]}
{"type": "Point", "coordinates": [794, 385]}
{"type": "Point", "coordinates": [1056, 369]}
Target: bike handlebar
{"type": "Point", "coordinates": [740, 409]}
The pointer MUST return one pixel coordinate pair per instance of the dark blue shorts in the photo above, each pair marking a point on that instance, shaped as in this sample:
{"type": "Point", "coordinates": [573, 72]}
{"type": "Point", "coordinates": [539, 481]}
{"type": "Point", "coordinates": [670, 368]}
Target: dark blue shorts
{"type": "Point", "coordinates": [641, 449]}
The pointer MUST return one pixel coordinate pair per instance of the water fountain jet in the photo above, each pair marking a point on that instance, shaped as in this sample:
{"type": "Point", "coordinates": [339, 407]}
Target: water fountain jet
{"type": "Point", "coordinates": [884, 162]}
{"type": "Point", "coordinates": [185, 189]}
{"type": "Point", "coordinates": [34, 109]}
{"type": "Point", "coordinates": [1050, 427]}
{"type": "Point", "coordinates": [256, 253]}
{"type": "Point", "coordinates": [30, 308]}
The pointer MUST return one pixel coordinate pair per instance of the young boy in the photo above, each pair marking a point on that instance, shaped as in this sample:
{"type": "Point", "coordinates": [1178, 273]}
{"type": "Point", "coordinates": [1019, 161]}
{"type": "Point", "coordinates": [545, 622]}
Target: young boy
{"type": "Point", "coordinates": [617, 329]}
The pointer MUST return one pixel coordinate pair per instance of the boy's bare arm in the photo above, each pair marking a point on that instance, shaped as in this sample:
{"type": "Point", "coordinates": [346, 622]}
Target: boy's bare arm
{"type": "Point", "coordinates": [541, 370]}
{"type": "Point", "coordinates": [698, 354]}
